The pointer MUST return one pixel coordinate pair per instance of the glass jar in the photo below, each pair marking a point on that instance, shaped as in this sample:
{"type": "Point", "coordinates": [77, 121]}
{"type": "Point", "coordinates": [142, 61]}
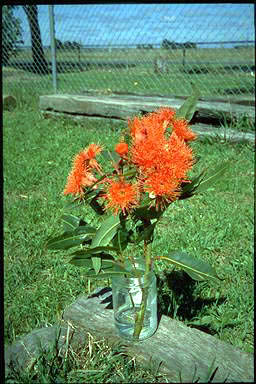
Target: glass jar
{"type": "Point", "coordinates": [129, 296]}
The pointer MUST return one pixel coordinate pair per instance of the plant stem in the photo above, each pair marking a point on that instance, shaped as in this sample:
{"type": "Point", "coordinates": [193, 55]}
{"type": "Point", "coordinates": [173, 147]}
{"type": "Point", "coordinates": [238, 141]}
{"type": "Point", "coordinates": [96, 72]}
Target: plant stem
{"type": "Point", "coordinates": [140, 315]}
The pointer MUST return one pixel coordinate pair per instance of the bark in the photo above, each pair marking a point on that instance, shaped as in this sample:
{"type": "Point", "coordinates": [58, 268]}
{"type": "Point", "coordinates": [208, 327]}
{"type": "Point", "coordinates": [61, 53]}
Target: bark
{"type": "Point", "coordinates": [39, 61]}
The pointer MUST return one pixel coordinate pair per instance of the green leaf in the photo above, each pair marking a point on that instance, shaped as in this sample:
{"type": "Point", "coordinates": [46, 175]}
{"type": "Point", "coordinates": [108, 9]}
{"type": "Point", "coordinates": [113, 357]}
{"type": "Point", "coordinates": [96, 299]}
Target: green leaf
{"type": "Point", "coordinates": [146, 234]}
{"type": "Point", "coordinates": [103, 236]}
{"type": "Point", "coordinates": [96, 206]}
{"type": "Point", "coordinates": [70, 222]}
{"type": "Point", "coordinates": [77, 202]}
{"type": "Point", "coordinates": [121, 239]}
{"type": "Point", "coordinates": [87, 263]}
{"type": "Point", "coordinates": [85, 229]}
{"type": "Point", "coordinates": [115, 270]}
{"type": "Point", "coordinates": [110, 155]}
{"type": "Point", "coordinates": [68, 240]}
{"type": "Point", "coordinates": [106, 232]}
{"type": "Point", "coordinates": [107, 274]}
{"type": "Point", "coordinates": [96, 262]}
{"type": "Point", "coordinates": [65, 241]}
{"type": "Point", "coordinates": [189, 189]}
{"type": "Point", "coordinates": [187, 110]}
{"type": "Point", "coordinates": [196, 269]}
{"type": "Point", "coordinates": [212, 177]}
{"type": "Point", "coordinates": [147, 212]}
{"type": "Point", "coordinates": [89, 252]}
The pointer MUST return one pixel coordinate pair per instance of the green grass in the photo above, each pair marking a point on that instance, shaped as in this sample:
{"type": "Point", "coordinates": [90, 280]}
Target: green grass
{"type": "Point", "coordinates": [216, 226]}
{"type": "Point", "coordinates": [94, 362]}
{"type": "Point", "coordinates": [207, 54]}
{"type": "Point", "coordinates": [217, 81]}
{"type": "Point", "coordinates": [140, 79]}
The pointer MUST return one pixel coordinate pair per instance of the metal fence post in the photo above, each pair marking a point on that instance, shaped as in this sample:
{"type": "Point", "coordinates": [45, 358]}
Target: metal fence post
{"type": "Point", "coordinates": [183, 58]}
{"type": "Point", "coordinates": [53, 47]}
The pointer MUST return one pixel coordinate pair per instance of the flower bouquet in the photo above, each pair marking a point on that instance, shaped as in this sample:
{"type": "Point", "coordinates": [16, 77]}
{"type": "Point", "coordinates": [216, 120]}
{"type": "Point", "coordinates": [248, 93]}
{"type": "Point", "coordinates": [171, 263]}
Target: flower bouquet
{"type": "Point", "coordinates": [146, 172]}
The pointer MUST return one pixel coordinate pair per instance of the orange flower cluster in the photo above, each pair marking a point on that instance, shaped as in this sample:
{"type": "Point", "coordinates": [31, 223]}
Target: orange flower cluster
{"type": "Point", "coordinates": [81, 175]}
{"type": "Point", "coordinates": [163, 157]}
{"type": "Point", "coordinates": [159, 153]}
{"type": "Point", "coordinates": [121, 195]}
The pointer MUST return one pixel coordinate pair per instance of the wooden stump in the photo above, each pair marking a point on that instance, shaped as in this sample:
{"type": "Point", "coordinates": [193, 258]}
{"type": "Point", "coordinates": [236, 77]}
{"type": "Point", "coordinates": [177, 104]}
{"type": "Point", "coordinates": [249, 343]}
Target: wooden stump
{"type": "Point", "coordinates": [161, 65]}
{"type": "Point", "coordinates": [9, 102]}
{"type": "Point", "coordinates": [185, 354]}
{"type": "Point", "coordinates": [119, 108]}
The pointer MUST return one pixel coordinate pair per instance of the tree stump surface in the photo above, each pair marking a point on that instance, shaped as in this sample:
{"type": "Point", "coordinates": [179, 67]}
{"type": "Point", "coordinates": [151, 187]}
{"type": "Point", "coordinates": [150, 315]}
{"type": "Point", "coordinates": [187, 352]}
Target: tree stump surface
{"type": "Point", "coordinates": [119, 108]}
{"type": "Point", "coordinates": [184, 354]}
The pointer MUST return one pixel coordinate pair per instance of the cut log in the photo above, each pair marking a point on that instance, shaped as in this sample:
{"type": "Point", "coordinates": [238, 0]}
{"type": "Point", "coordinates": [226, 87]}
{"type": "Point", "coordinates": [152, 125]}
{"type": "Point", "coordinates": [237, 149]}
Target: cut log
{"type": "Point", "coordinates": [202, 130]}
{"type": "Point", "coordinates": [127, 106]}
{"type": "Point", "coordinates": [185, 354]}
{"type": "Point", "coordinates": [9, 102]}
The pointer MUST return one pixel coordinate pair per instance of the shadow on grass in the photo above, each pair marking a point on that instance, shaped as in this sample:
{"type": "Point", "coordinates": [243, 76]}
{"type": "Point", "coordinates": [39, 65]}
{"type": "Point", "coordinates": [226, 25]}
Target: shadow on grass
{"type": "Point", "coordinates": [177, 299]}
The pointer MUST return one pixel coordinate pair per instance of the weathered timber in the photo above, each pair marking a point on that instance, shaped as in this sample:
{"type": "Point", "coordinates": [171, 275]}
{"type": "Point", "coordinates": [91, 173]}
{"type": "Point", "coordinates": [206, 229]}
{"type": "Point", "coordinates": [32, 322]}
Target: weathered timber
{"type": "Point", "coordinates": [9, 102]}
{"type": "Point", "coordinates": [202, 130]}
{"type": "Point", "coordinates": [233, 99]}
{"type": "Point", "coordinates": [127, 106]}
{"type": "Point", "coordinates": [185, 354]}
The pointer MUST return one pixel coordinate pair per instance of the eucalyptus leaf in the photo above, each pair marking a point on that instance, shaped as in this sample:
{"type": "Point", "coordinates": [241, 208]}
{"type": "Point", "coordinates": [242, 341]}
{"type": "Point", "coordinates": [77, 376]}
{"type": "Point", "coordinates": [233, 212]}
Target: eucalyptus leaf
{"type": "Point", "coordinates": [146, 234]}
{"type": "Point", "coordinates": [85, 229]}
{"type": "Point", "coordinates": [89, 252]}
{"type": "Point", "coordinates": [107, 274]}
{"type": "Point", "coordinates": [121, 239]}
{"type": "Point", "coordinates": [197, 269]}
{"type": "Point", "coordinates": [70, 222]}
{"type": "Point", "coordinates": [68, 240]}
{"type": "Point", "coordinates": [213, 176]}
{"type": "Point", "coordinates": [87, 263]}
{"type": "Point", "coordinates": [147, 212]}
{"type": "Point", "coordinates": [115, 270]}
{"type": "Point", "coordinates": [106, 232]}
{"type": "Point", "coordinates": [187, 110]}
{"type": "Point", "coordinates": [110, 155]}
{"type": "Point", "coordinates": [77, 202]}
{"type": "Point", "coordinates": [96, 263]}
{"type": "Point", "coordinates": [96, 206]}
{"type": "Point", "coordinates": [189, 189]}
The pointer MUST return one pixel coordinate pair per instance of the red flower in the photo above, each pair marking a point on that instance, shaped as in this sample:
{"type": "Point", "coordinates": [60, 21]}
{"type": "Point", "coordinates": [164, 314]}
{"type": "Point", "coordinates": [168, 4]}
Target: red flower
{"type": "Point", "coordinates": [121, 149]}
{"type": "Point", "coordinates": [121, 196]}
{"type": "Point", "coordinates": [182, 130]}
{"type": "Point", "coordinates": [81, 175]}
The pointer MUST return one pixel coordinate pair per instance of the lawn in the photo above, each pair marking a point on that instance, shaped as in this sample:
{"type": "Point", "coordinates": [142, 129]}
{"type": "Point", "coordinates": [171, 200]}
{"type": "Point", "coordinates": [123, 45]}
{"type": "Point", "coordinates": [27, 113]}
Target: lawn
{"type": "Point", "coordinates": [216, 226]}
{"type": "Point", "coordinates": [217, 72]}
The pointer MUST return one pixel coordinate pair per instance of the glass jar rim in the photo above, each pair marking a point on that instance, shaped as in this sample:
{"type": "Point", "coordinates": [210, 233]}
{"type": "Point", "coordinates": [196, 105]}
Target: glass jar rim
{"type": "Point", "coordinates": [124, 280]}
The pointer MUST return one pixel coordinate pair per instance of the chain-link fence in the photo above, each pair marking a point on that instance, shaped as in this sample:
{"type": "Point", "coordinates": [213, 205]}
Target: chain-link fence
{"type": "Point", "coordinates": [157, 49]}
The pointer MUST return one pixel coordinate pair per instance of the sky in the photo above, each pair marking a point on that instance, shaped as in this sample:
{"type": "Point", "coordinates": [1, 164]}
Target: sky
{"type": "Point", "coordinates": [121, 24]}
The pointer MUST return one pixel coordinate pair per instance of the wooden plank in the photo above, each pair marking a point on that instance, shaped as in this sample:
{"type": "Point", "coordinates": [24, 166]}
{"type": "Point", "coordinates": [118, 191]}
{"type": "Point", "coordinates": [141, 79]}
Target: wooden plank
{"type": "Point", "coordinates": [124, 107]}
{"type": "Point", "coordinates": [184, 352]}
{"type": "Point", "coordinates": [233, 99]}
{"type": "Point", "coordinates": [202, 130]}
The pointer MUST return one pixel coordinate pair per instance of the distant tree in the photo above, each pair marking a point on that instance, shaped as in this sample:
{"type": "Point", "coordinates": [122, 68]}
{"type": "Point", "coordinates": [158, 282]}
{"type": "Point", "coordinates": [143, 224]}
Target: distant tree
{"type": "Point", "coordinates": [39, 61]}
{"type": "Point", "coordinates": [76, 45]}
{"type": "Point", "coordinates": [72, 45]}
{"type": "Point", "coordinates": [166, 44]}
{"type": "Point", "coordinates": [243, 46]}
{"type": "Point", "coordinates": [144, 46]}
{"type": "Point", "coordinates": [11, 33]}
{"type": "Point", "coordinates": [59, 44]}
{"type": "Point", "coordinates": [189, 45]}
